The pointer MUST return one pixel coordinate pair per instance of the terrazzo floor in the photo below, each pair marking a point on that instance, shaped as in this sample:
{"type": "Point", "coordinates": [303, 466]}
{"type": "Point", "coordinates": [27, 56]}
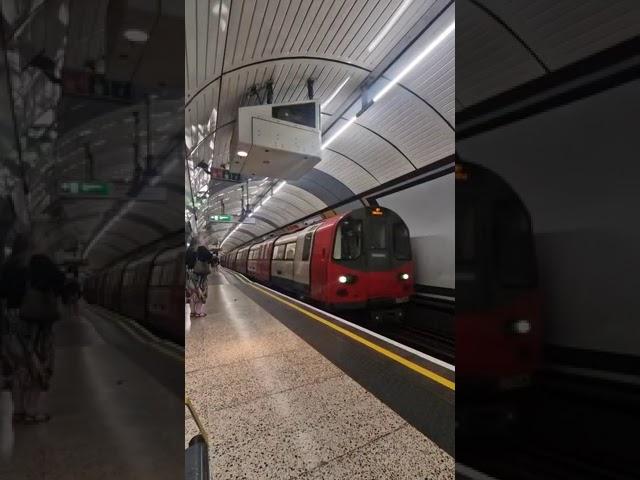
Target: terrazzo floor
{"type": "Point", "coordinates": [275, 408]}
{"type": "Point", "coordinates": [110, 418]}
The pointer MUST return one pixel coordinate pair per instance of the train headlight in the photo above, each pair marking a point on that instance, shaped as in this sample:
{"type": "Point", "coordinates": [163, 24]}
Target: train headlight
{"type": "Point", "coordinates": [404, 276]}
{"type": "Point", "coordinates": [344, 279]}
{"type": "Point", "coordinates": [522, 326]}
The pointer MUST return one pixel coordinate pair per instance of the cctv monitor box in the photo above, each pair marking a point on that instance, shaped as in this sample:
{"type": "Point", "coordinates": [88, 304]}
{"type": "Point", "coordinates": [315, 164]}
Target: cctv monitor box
{"type": "Point", "coordinates": [277, 140]}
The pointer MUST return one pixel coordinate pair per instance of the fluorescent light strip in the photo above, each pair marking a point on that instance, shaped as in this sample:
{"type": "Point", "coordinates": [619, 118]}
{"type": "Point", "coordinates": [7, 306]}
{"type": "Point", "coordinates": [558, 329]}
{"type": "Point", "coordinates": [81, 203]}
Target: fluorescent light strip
{"type": "Point", "coordinates": [333, 95]}
{"type": "Point", "coordinates": [279, 187]}
{"type": "Point", "coordinates": [392, 21]}
{"type": "Point", "coordinates": [265, 200]}
{"type": "Point", "coordinates": [339, 132]}
{"type": "Point", "coordinates": [437, 41]}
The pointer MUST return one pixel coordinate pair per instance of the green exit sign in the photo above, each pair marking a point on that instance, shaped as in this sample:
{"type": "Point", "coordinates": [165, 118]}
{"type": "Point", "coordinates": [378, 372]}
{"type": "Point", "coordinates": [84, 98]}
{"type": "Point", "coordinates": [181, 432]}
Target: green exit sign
{"type": "Point", "coordinates": [85, 188]}
{"type": "Point", "coordinates": [222, 218]}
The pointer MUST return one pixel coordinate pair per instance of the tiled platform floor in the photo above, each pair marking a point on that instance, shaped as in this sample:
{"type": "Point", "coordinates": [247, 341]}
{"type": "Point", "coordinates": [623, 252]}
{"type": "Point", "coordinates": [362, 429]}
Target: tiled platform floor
{"type": "Point", "coordinates": [275, 408]}
{"type": "Point", "coordinates": [110, 418]}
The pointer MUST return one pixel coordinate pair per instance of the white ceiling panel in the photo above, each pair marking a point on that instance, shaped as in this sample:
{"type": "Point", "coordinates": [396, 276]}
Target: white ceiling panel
{"type": "Point", "coordinates": [413, 127]}
{"type": "Point", "coordinates": [289, 41]}
{"type": "Point", "coordinates": [563, 32]}
{"type": "Point", "coordinates": [350, 173]}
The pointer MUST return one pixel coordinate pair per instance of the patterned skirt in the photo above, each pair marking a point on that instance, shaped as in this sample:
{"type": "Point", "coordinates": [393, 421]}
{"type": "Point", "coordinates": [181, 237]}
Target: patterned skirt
{"type": "Point", "coordinates": [27, 353]}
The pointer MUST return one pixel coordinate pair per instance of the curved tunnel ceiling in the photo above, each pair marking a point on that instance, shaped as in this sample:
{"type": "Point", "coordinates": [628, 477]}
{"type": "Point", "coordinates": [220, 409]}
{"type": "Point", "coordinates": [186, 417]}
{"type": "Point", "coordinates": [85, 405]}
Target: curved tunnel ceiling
{"type": "Point", "coordinates": [111, 228]}
{"type": "Point", "coordinates": [510, 43]}
{"type": "Point", "coordinates": [232, 45]}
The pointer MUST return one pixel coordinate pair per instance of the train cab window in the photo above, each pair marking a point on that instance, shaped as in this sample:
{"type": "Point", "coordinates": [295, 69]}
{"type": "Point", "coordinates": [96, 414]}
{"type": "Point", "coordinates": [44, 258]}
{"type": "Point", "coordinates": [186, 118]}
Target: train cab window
{"type": "Point", "coordinates": [378, 234]}
{"type": "Point", "coordinates": [514, 253]}
{"type": "Point", "coordinates": [306, 247]}
{"type": "Point", "coordinates": [466, 237]}
{"type": "Point", "coordinates": [348, 243]}
{"type": "Point", "coordinates": [401, 241]}
{"type": "Point", "coordinates": [290, 252]}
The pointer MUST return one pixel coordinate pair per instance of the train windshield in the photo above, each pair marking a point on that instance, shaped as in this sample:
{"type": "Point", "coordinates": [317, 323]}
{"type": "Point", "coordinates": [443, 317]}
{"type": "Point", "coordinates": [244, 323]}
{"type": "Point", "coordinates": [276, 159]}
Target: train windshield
{"type": "Point", "coordinates": [401, 241]}
{"type": "Point", "coordinates": [378, 233]}
{"type": "Point", "coordinates": [513, 246]}
{"type": "Point", "coordinates": [348, 244]}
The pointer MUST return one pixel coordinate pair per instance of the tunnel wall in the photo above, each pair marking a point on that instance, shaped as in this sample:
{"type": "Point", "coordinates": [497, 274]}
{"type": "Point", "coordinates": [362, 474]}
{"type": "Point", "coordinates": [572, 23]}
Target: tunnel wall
{"type": "Point", "coordinates": [576, 167]}
{"type": "Point", "coordinates": [428, 209]}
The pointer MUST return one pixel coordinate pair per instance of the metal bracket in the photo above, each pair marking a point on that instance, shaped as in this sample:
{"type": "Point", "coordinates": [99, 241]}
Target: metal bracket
{"type": "Point", "coordinates": [310, 83]}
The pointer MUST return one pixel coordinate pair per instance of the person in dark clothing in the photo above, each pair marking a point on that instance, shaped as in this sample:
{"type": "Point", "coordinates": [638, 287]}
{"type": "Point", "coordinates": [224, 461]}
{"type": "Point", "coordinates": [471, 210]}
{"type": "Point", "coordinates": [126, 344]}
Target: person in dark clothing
{"type": "Point", "coordinates": [191, 257]}
{"type": "Point", "coordinates": [202, 269]}
{"type": "Point", "coordinates": [30, 286]}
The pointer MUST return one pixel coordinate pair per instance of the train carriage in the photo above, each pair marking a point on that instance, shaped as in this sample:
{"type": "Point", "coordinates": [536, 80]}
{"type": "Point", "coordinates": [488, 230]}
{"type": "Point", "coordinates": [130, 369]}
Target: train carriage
{"type": "Point", "coordinates": [358, 260]}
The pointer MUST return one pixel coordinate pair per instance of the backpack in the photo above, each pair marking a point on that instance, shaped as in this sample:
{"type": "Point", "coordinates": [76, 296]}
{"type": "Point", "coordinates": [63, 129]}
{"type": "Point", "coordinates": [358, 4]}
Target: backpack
{"type": "Point", "coordinates": [202, 268]}
{"type": "Point", "coordinates": [39, 306]}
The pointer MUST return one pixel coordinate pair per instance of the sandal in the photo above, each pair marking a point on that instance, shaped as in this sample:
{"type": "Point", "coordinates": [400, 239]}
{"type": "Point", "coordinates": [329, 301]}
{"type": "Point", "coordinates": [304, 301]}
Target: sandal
{"type": "Point", "coordinates": [37, 418]}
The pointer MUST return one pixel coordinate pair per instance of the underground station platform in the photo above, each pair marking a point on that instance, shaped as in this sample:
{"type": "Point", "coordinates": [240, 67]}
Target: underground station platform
{"type": "Point", "coordinates": [284, 390]}
{"type": "Point", "coordinates": [115, 406]}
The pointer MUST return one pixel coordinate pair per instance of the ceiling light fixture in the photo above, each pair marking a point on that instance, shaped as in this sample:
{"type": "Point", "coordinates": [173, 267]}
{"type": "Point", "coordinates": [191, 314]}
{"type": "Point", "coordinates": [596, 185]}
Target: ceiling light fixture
{"type": "Point", "coordinates": [339, 132]}
{"type": "Point", "coordinates": [279, 187]}
{"type": "Point", "coordinates": [242, 153]}
{"type": "Point", "coordinates": [135, 35]}
{"type": "Point", "coordinates": [333, 95]}
{"type": "Point", "coordinates": [392, 21]}
{"type": "Point", "coordinates": [437, 41]}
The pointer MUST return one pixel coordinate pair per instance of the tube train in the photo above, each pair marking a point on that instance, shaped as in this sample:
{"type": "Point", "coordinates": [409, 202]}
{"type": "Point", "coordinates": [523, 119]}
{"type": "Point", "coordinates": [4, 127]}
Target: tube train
{"type": "Point", "coordinates": [149, 290]}
{"type": "Point", "coordinates": [356, 260]}
{"type": "Point", "coordinates": [498, 306]}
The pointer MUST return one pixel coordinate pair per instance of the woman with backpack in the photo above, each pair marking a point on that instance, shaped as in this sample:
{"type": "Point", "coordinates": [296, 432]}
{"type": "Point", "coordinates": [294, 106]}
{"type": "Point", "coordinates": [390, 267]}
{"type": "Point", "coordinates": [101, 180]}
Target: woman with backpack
{"type": "Point", "coordinates": [30, 286]}
{"type": "Point", "coordinates": [201, 270]}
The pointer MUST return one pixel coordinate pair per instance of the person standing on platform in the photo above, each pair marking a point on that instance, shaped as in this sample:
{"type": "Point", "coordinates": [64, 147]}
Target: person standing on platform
{"type": "Point", "coordinates": [216, 262]}
{"type": "Point", "coordinates": [202, 269]}
{"type": "Point", "coordinates": [31, 287]}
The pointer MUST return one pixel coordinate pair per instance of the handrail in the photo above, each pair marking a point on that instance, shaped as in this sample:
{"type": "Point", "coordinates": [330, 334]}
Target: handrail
{"type": "Point", "coordinates": [197, 453]}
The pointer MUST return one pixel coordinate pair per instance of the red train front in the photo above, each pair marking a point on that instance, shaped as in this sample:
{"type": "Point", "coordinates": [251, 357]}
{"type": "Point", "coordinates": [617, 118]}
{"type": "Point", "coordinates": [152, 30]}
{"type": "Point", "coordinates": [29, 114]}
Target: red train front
{"type": "Point", "coordinates": [362, 260]}
{"type": "Point", "coordinates": [358, 260]}
{"type": "Point", "coordinates": [498, 309]}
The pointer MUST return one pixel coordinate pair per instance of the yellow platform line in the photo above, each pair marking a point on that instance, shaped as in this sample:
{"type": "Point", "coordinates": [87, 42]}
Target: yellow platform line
{"type": "Point", "coordinates": [156, 345]}
{"type": "Point", "coordinates": [425, 372]}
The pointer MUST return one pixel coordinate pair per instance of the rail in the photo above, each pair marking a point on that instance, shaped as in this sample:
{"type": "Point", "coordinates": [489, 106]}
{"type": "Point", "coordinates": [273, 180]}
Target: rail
{"type": "Point", "coordinates": [196, 461]}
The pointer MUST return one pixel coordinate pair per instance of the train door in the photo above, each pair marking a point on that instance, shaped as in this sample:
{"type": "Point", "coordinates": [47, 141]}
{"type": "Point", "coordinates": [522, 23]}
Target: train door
{"type": "Point", "coordinates": [320, 255]}
{"type": "Point", "coordinates": [301, 274]}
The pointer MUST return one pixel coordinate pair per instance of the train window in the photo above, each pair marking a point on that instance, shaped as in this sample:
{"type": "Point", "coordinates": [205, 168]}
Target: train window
{"type": "Point", "coordinates": [290, 252]}
{"type": "Point", "coordinates": [513, 246]}
{"type": "Point", "coordinates": [401, 242]}
{"type": "Point", "coordinates": [306, 248]}
{"type": "Point", "coordinates": [348, 244]}
{"type": "Point", "coordinates": [278, 252]}
{"type": "Point", "coordinates": [155, 275]}
{"type": "Point", "coordinates": [378, 234]}
{"type": "Point", "coordinates": [466, 237]}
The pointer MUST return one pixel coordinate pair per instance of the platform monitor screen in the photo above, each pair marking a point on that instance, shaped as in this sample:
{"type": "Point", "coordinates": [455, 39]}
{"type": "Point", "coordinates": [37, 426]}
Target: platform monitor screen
{"type": "Point", "coordinates": [301, 113]}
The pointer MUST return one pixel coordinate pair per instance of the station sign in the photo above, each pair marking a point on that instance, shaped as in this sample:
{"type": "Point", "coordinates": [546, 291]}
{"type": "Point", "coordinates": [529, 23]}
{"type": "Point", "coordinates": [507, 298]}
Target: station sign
{"type": "Point", "coordinates": [226, 175]}
{"type": "Point", "coordinates": [110, 191]}
{"type": "Point", "coordinates": [100, 189]}
{"type": "Point", "coordinates": [223, 218]}
{"type": "Point", "coordinates": [232, 219]}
